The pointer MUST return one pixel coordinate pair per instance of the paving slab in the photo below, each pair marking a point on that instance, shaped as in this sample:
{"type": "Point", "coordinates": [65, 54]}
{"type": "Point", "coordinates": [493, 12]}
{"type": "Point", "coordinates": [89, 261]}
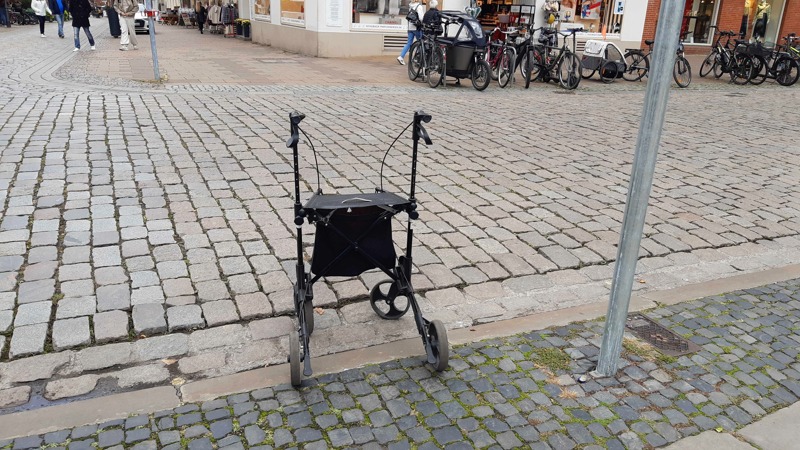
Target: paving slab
{"type": "Point", "coordinates": [775, 432]}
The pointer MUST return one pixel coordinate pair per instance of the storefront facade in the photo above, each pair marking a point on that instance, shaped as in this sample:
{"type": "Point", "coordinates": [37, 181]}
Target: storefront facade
{"type": "Point", "coordinates": [763, 20]}
{"type": "Point", "coordinates": [351, 28]}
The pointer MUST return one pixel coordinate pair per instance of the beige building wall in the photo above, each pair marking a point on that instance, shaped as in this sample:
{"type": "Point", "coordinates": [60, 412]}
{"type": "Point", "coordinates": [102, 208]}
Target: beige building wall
{"type": "Point", "coordinates": [322, 44]}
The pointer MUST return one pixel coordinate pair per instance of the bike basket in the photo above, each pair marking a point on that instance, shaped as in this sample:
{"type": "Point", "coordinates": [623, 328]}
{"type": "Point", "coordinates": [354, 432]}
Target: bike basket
{"type": "Point", "coordinates": [759, 49]}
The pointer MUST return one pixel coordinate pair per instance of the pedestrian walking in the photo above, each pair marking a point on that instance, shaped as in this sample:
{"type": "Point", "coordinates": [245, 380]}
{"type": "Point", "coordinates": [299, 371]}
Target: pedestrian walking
{"type": "Point", "coordinates": [41, 10]}
{"type": "Point", "coordinates": [414, 28]}
{"type": "Point", "coordinates": [432, 17]}
{"type": "Point", "coordinates": [201, 14]}
{"type": "Point", "coordinates": [80, 10]}
{"type": "Point", "coordinates": [126, 10]}
{"type": "Point", "coordinates": [3, 14]}
{"type": "Point", "coordinates": [58, 7]}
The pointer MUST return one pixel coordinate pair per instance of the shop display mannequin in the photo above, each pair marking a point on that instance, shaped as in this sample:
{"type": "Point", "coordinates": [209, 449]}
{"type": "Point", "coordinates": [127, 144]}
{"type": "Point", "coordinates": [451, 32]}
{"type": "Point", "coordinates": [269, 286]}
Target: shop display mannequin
{"type": "Point", "coordinates": [762, 18]}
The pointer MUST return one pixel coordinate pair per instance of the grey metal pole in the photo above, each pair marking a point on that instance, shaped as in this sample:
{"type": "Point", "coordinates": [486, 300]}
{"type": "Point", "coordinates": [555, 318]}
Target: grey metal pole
{"type": "Point", "coordinates": [644, 164]}
{"type": "Point", "coordinates": [152, 30]}
{"type": "Point", "coordinates": [8, 14]}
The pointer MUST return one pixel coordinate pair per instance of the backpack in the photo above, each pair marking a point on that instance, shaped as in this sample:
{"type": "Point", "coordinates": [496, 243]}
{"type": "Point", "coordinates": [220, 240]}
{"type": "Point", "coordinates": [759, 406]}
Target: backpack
{"type": "Point", "coordinates": [413, 17]}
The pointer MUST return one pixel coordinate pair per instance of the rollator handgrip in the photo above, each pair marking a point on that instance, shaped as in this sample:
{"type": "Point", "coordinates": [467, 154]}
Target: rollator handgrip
{"type": "Point", "coordinates": [296, 117]}
{"type": "Point", "coordinates": [422, 115]}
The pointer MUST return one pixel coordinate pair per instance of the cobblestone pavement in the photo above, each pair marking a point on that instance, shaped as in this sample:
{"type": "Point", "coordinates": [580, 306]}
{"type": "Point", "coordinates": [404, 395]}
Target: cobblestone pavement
{"type": "Point", "coordinates": [132, 211]}
{"type": "Point", "coordinates": [516, 392]}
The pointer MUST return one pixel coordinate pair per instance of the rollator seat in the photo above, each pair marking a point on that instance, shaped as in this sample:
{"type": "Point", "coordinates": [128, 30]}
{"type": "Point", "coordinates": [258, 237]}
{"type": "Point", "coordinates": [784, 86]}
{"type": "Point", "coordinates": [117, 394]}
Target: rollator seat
{"type": "Point", "coordinates": [329, 202]}
{"type": "Point", "coordinates": [352, 226]}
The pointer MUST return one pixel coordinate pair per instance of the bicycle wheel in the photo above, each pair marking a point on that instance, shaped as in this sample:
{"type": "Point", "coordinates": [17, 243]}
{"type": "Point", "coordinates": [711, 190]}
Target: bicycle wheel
{"type": "Point", "coordinates": [569, 71]}
{"type": "Point", "coordinates": [415, 61]}
{"type": "Point", "coordinates": [505, 70]}
{"type": "Point", "coordinates": [609, 72]}
{"type": "Point", "coordinates": [522, 63]}
{"type": "Point", "coordinates": [535, 62]}
{"type": "Point", "coordinates": [493, 58]}
{"type": "Point", "coordinates": [742, 70]}
{"type": "Point", "coordinates": [636, 65]}
{"type": "Point", "coordinates": [481, 75]}
{"type": "Point", "coordinates": [682, 72]}
{"type": "Point", "coordinates": [586, 72]}
{"type": "Point", "coordinates": [720, 65]}
{"type": "Point", "coordinates": [787, 71]}
{"type": "Point", "coordinates": [436, 67]}
{"type": "Point", "coordinates": [760, 70]}
{"type": "Point", "coordinates": [708, 64]}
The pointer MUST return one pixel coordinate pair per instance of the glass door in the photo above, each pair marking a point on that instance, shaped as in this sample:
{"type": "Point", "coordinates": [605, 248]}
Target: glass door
{"type": "Point", "coordinates": [698, 17]}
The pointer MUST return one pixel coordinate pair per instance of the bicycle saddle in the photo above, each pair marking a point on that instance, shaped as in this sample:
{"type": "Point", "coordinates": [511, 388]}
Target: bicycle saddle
{"type": "Point", "coordinates": [649, 42]}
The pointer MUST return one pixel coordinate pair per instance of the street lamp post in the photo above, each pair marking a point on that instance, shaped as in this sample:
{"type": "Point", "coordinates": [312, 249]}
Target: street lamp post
{"type": "Point", "coordinates": [152, 29]}
{"type": "Point", "coordinates": [644, 164]}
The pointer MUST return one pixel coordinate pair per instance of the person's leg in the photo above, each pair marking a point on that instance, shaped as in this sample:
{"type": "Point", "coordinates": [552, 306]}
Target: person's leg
{"type": "Point", "coordinates": [60, 20]}
{"type": "Point", "coordinates": [132, 31]}
{"type": "Point", "coordinates": [124, 38]}
{"type": "Point", "coordinates": [77, 33]}
{"type": "Point", "coordinates": [408, 44]}
{"type": "Point", "coordinates": [41, 24]}
{"type": "Point", "coordinates": [89, 36]}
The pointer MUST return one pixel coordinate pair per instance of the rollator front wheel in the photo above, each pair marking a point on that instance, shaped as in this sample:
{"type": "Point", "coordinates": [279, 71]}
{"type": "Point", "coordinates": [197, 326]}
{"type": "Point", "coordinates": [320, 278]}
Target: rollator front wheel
{"type": "Point", "coordinates": [294, 358]}
{"type": "Point", "coordinates": [386, 302]}
{"type": "Point", "coordinates": [437, 336]}
{"type": "Point", "coordinates": [309, 313]}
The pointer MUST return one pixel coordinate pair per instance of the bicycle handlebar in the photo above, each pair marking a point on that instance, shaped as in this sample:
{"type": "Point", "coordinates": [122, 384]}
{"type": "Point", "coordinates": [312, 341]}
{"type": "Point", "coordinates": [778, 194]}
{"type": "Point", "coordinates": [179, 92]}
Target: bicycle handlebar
{"type": "Point", "coordinates": [570, 32]}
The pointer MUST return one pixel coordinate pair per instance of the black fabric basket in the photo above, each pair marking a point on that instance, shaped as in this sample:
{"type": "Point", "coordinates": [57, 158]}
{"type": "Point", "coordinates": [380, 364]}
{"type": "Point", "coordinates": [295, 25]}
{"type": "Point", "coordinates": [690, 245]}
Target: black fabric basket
{"type": "Point", "coordinates": [353, 223]}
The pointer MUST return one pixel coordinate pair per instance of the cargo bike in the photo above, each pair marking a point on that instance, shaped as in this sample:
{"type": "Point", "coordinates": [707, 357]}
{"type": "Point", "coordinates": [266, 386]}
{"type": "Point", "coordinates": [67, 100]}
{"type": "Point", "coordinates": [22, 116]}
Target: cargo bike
{"type": "Point", "coordinates": [354, 235]}
{"type": "Point", "coordinates": [458, 53]}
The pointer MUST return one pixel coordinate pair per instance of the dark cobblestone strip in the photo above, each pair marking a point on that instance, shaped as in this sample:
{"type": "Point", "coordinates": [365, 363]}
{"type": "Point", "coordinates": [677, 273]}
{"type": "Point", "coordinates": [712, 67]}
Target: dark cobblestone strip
{"type": "Point", "coordinates": [515, 392]}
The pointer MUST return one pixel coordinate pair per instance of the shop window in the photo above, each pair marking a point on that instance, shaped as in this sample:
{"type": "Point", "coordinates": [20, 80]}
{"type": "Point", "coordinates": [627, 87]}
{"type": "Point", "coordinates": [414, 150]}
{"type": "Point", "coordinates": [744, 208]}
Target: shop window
{"type": "Point", "coordinates": [293, 12]}
{"type": "Point", "coordinates": [764, 20]}
{"type": "Point", "coordinates": [595, 15]}
{"type": "Point", "coordinates": [698, 17]}
{"type": "Point", "coordinates": [261, 9]}
{"type": "Point", "coordinates": [383, 14]}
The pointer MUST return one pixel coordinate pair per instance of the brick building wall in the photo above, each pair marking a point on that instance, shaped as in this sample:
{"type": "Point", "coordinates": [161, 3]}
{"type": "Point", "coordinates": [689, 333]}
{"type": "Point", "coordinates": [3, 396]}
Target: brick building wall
{"type": "Point", "coordinates": [729, 18]}
{"type": "Point", "coordinates": [791, 18]}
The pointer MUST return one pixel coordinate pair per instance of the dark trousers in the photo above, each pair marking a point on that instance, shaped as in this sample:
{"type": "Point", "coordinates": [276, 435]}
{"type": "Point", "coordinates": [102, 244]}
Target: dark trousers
{"type": "Point", "coordinates": [41, 23]}
{"type": "Point", "coordinates": [200, 25]}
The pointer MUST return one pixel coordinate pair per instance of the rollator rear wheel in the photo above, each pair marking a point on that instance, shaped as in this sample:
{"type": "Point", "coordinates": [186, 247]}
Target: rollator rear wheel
{"type": "Point", "coordinates": [386, 302]}
{"type": "Point", "coordinates": [294, 358]}
{"type": "Point", "coordinates": [437, 336]}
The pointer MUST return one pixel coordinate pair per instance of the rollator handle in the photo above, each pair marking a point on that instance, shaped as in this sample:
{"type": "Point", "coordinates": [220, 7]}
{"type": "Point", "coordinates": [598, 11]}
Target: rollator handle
{"type": "Point", "coordinates": [419, 131]}
{"type": "Point", "coordinates": [422, 115]}
{"type": "Point", "coordinates": [294, 119]}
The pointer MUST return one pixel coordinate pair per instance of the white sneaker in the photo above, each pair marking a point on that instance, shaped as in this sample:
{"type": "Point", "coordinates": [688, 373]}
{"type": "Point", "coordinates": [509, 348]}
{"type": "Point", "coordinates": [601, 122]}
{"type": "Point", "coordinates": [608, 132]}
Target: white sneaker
{"type": "Point", "coordinates": [93, 48]}
{"type": "Point", "coordinates": [401, 61]}
{"type": "Point", "coordinates": [135, 47]}
{"type": "Point", "coordinates": [123, 49]}
{"type": "Point", "coordinates": [44, 36]}
{"type": "Point", "coordinates": [76, 49]}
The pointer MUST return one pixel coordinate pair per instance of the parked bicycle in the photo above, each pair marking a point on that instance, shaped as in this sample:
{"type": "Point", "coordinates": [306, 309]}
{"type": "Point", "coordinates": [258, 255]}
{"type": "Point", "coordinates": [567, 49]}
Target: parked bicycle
{"type": "Point", "coordinates": [772, 63]}
{"type": "Point", "coordinates": [503, 58]}
{"type": "Point", "coordinates": [726, 59]}
{"type": "Point", "coordinates": [425, 55]}
{"type": "Point", "coordinates": [513, 48]}
{"type": "Point", "coordinates": [547, 61]}
{"type": "Point", "coordinates": [791, 46]}
{"type": "Point", "coordinates": [637, 64]}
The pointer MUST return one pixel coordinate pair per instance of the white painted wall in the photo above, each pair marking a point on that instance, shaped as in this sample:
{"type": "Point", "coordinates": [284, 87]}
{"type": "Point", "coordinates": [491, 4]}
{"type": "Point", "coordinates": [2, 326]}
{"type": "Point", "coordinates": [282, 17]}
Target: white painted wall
{"type": "Point", "coordinates": [633, 20]}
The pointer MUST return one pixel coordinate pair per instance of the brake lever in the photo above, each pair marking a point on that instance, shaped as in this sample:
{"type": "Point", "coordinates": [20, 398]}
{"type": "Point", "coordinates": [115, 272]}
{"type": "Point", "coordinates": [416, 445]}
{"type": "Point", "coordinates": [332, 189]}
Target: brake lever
{"type": "Point", "coordinates": [424, 134]}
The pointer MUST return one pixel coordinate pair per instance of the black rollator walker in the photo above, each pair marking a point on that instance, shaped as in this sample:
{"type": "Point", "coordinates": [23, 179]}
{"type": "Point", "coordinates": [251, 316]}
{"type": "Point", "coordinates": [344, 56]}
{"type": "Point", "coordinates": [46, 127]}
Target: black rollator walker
{"type": "Point", "coordinates": [354, 235]}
